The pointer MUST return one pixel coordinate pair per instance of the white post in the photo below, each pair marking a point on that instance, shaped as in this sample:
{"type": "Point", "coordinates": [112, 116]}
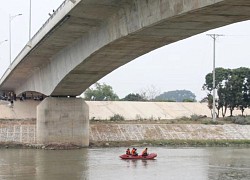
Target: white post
{"type": "Point", "coordinates": [10, 37]}
{"type": "Point", "coordinates": [214, 116]}
{"type": "Point", "coordinates": [30, 23]}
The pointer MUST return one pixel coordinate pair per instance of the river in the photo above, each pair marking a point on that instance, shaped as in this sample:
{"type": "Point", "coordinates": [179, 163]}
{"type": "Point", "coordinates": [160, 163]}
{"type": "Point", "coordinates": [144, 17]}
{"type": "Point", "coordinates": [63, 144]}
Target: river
{"type": "Point", "coordinates": [212, 163]}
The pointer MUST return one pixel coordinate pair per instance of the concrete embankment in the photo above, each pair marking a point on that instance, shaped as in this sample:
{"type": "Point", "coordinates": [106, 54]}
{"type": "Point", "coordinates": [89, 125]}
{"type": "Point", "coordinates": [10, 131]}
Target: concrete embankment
{"type": "Point", "coordinates": [18, 131]}
{"type": "Point", "coordinates": [25, 132]}
{"type": "Point", "coordinates": [149, 132]}
{"type": "Point", "coordinates": [18, 124]}
{"type": "Point", "coordinates": [103, 110]}
{"type": "Point", "coordinates": [20, 110]}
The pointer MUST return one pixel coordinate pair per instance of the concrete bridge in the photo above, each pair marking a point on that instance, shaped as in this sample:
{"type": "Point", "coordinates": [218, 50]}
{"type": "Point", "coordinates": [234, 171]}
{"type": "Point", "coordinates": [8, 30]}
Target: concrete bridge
{"type": "Point", "coordinates": [84, 40]}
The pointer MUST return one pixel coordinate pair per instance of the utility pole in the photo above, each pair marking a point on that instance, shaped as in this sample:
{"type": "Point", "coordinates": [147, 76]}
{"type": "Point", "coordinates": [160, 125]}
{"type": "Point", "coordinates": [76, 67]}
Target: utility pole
{"type": "Point", "coordinates": [30, 23]}
{"type": "Point", "coordinates": [10, 19]}
{"type": "Point", "coordinates": [214, 36]}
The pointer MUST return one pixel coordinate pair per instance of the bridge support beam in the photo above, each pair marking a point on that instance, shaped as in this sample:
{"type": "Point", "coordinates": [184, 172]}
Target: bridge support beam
{"type": "Point", "coordinates": [63, 121]}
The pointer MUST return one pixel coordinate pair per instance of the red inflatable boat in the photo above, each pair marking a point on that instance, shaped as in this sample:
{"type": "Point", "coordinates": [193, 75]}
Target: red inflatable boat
{"type": "Point", "coordinates": [150, 156]}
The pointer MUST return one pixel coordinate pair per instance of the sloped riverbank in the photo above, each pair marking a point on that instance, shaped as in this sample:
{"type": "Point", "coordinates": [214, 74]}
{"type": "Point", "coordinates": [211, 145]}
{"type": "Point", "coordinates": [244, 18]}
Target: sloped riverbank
{"type": "Point", "coordinates": [22, 133]}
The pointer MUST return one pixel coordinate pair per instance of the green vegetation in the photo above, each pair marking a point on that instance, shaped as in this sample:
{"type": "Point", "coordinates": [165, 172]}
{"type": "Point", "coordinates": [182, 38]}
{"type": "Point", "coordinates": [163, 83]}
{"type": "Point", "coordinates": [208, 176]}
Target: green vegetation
{"type": "Point", "coordinates": [189, 100]}
{"type": "Point", "coordinates": [242, 120]}
{"type": "Point", "coordinates": [104, 92]}
{"type": "Point", "coordinates": [233, 89]}
{"type": "Point", "coordinates": [117, 117]}
{"type": "Point", "coordinates": [177, 96]}
{"type": "Point", "coordinates": [173, 142]}
{"type": "Point", "coordinates": [101, 92]}
{"type": "Point", "coordinates": [193, 119]}
{"type": "Point", "coordinates": [197, 119]}
{"type": "Point", "coordinates": [133, 97]}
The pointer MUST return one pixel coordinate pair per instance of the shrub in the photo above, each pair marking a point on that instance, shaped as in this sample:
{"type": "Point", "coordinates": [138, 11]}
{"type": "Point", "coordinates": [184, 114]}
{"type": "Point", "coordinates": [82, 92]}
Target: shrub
{"type": "Point", "coordinates": [194, 117]}
{"type": "Point", "coordinates": [151, 118]}
{"type": "Point", "coordinates": [209, 121]}
{"type": "Point", "coordinates": [241, 120]}
{"type": "Point", "coordinates": [117, 117]}
{"type": "Point", "coordinates": [138, 117]}
{"type": "Point", "coordinates": [227, 119]}
{"type": "Point", "coordinates": [184, 118]}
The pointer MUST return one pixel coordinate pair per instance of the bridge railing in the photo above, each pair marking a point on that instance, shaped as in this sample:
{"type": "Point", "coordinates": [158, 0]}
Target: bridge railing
{"type": "Point", "coordinates": [42, 27]}
{"type": "Point", "coordinates": [28, 45]}
{"type": "Point", "coordinates": [52, 15]}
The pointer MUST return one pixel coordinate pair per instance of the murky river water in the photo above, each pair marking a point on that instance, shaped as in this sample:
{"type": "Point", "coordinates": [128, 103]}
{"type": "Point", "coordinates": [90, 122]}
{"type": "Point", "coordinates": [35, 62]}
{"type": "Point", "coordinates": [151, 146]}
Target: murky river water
{"type": "Point", "coordinates": [104, 164]}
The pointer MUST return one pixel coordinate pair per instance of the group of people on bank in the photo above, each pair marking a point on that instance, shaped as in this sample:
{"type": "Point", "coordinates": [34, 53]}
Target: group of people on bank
{"type": "Point", "coordinates": [133, 152]}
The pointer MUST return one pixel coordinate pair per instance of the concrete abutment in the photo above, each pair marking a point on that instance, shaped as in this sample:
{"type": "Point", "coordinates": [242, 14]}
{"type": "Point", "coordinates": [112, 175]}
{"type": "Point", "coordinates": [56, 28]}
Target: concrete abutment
{"type": "Point", "coordinates": [63, 121]}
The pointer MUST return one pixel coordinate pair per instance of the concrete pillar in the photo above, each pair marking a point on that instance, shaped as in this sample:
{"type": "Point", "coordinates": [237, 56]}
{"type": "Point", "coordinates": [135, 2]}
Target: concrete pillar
{"type": "Point", "coordinates": [63, 121]}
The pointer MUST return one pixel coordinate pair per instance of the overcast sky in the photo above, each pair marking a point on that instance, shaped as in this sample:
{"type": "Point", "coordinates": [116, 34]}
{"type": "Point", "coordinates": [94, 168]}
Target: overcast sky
{"type": "Point", "coordinates": [181, 65]}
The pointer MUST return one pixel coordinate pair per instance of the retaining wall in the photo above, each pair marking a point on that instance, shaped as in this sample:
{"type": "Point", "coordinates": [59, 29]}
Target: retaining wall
{"type": "Point", "coordinates": [18, 131]}
{"type": "Point", "coordinates": [25, 132]}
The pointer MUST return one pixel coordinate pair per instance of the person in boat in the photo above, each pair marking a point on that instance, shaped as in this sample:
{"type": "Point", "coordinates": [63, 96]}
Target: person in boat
{"type": "Point", "coordinates": [145, 152]}
{"type": "Point", "coordinates": [128, 152]}
{"type": "Point", "coordinates": [133, 152]}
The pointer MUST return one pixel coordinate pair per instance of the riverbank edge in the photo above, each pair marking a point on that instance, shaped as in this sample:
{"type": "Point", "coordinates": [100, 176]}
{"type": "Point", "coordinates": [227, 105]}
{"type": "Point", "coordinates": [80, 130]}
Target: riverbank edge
{"type": "Point", "coordinates": [145, 143]}
{"type": "Point", "coordinates": [174, 143]}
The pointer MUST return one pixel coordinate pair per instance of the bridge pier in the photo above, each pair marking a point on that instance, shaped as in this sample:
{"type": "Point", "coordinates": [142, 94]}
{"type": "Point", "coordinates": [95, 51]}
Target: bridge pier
{"type": "Point", "coordinates": [62, 121]}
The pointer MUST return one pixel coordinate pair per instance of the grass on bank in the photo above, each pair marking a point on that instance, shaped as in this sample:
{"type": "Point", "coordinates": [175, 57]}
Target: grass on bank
{"type": "Point", "coordinates": [193, 119]}
{"type": "Point", "coordinates": [146, 143]}
{"type": "Point", "coordinates": [173, 143]}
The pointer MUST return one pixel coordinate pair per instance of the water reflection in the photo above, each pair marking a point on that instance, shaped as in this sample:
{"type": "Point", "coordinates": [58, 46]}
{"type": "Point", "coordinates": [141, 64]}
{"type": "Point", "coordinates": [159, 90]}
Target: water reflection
{"type": "Point", "coordinates": [62, 165]}
{"type": "Point", "coordinates": [105, 164]}
{"type": "Point", "coordinates": [17, 164]}
{"type": "Point", "coordinates": [145, 163]}
{"type": "Point", "coordinates": [229, 164]}
{"type": "Point", "coordinates": [131, 164]}
{"type": "Point", "coordinates": [39, 164]}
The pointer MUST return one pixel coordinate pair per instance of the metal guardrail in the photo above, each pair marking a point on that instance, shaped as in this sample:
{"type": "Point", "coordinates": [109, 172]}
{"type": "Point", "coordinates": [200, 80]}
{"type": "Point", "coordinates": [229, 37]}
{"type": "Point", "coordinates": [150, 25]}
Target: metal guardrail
{"type": "Point", "coordinates": [52, 15]}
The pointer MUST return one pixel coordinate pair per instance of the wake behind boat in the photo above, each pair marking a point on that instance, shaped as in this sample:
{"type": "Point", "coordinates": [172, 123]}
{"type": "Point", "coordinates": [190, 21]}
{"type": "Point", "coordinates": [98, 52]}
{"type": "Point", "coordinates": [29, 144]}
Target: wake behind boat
{"type": "Point", "coordinates": [149, 156]}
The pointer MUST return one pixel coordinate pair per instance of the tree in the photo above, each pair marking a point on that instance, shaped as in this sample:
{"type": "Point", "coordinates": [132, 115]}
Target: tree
{"type": "Point", "coordinates": [246, 94]}
{"type": "Point", "coordinates": [188, 100]}
{"type": "Point", "coordinates": [149, 93]}
{"type": "Point", "coordinates": [221, 76]}
{"type": "Point", "coordinates": [240, 77]}
{"type": "Point", "coordinates": [133, 97]}
{"type": "Point", "coordinates": [222, 101]}
{"type": "Point", "coordinates": [177, 95]}
{"type": "Point", "coordinates": [210, 103]}
{"type": "Point", "coordinates": [232, 88]}
{"type": "Point", "coordinates": [101, 92]}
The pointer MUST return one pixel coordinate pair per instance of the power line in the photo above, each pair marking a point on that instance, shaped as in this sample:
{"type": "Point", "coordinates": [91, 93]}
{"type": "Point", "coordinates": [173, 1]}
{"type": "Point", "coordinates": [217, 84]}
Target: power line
{"type": "Point", "coordinates": [233, 35]}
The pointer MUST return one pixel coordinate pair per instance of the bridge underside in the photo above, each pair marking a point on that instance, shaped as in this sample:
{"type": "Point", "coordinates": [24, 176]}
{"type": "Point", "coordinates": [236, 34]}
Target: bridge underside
{"type": "Point", "coordinates": [96, 37]}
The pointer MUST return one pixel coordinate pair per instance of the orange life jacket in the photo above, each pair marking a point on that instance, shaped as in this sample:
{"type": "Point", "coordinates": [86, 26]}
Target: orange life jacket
{"type": "Point", "coordinates": [133, 151]}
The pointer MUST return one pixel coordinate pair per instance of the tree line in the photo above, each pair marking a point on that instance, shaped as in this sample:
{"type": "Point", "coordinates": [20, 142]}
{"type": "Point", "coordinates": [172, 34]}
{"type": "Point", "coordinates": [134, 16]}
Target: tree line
{"type": "Point", "coordinates": [233, 89]}
{"type": "Point", "coordinates": [104, 92]}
